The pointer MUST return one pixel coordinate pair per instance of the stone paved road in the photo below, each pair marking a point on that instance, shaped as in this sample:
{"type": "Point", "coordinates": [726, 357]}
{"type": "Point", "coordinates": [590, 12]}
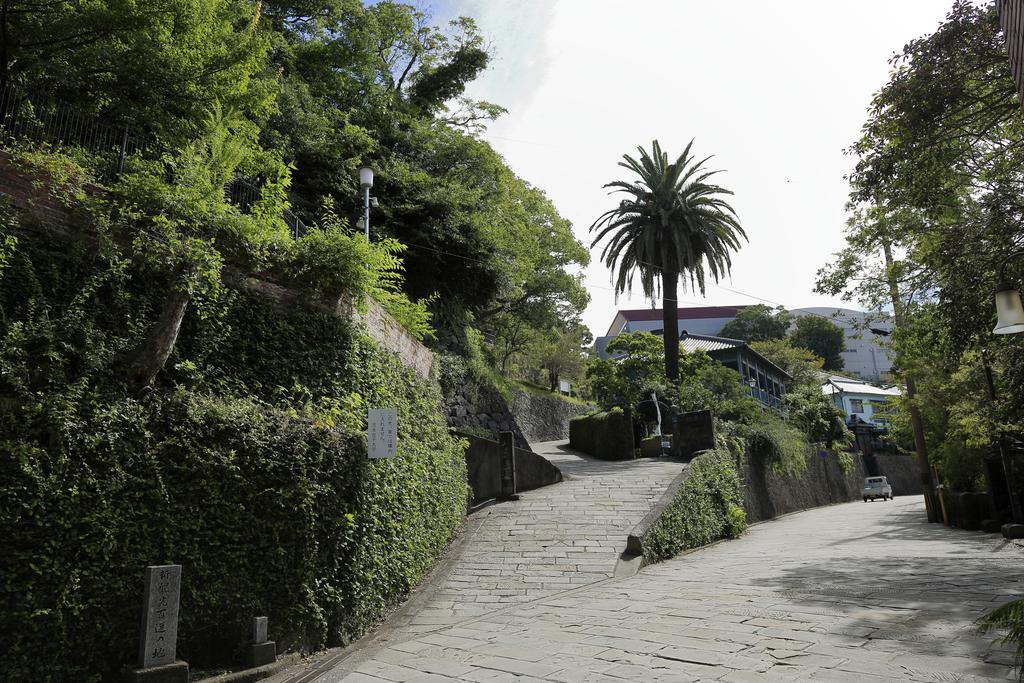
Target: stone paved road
{"type": "Point", "coordinates": [853, 592]}
{"type": "Point", "coordinates": [551, 540]}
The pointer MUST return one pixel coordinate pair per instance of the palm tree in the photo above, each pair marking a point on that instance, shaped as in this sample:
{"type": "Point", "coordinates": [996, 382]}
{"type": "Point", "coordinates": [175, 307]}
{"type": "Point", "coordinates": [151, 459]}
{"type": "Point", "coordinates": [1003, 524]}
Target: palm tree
{"type": "Point", "coordinates": [671, 223]}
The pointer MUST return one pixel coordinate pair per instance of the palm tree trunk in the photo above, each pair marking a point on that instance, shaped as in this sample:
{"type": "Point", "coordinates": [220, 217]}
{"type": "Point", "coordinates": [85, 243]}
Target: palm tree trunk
{"type": "Point", "coordinates": [670, 318]}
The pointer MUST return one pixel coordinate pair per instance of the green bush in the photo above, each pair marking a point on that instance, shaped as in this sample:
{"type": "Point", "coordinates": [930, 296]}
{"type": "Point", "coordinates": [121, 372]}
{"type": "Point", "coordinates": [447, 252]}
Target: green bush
{"type": "Point", "coordinates": [607, 435]}
{"type": "Point", "coordinates": [246, 464]}
{"type": "Point", "coordinates": [735, 521]}
{"type": "Point", "coordinates": [707, 507]}
{"type": "Point", "coordinates": [780, 445]}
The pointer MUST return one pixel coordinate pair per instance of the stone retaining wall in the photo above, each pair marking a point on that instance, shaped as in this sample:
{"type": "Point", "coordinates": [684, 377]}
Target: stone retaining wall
{"type": "Point", "coordinates": [900, 470]}
{"type": "Point", "coordinates": [483, 467]}
{"type": "Point", "coordinates": [767, 494]}
{"type": "Point", "coordinates": [545, 418]}
{"type": "Point", "coordinates": [483, 408]}
{"type": "Point", "coordinates": [379, 324]}
{"type": "Point", "coordinates": [33, 195]}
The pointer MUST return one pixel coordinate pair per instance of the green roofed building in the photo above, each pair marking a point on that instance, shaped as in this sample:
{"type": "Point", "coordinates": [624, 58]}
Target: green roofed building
{"type": "Point", "coordinates": [765, 380]}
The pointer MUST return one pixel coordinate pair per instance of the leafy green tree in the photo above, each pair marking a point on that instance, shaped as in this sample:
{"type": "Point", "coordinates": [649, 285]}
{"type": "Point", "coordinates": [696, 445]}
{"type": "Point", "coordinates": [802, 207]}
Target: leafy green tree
{"type": "Point", "coordinates": [803, 365]}
{"type": "Point", "coordinates": [706, 384]}
{"type": "Point", "coordinates": [671, 224]}
{"type": "Point", "coordinates": [813, 412]}
{"type": "Point", "coordinates": [636, 367]}
{"type": "Point", "coordinates": [381, 85]}
{"type": "Point", "coordinates": [758, 323]}
{"type": "Point", "coordinates": [822, 337]}
{"type": "Point", "coordinates": [636, 362]}
{"type": "Point", "coordinates": [563, 354]}
{"type": "Point", "coordinates": [157, 66]}
{"type": "Point", "coordinates": [936, 205]}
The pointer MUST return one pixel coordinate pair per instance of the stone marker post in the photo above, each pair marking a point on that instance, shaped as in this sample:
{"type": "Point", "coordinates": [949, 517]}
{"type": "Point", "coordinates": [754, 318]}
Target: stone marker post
{"type": "Point", "coordinates": [158, 639]}
{"type": "Point", "coordinates": [261, 651]}
{"type": "Point", "coordinates": [508, 466]}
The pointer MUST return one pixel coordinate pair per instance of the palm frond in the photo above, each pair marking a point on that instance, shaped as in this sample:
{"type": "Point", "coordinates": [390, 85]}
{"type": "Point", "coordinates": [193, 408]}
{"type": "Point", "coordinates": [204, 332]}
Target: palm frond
{"type": "Point", "coordinates": [670, 220]}
{"type": "Point", "coordinates": [1008, 617]}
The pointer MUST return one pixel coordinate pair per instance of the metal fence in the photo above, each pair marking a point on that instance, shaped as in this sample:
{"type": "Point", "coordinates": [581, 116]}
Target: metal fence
{"type": "Point", "coordinates": [44, 120]}
{"type": "Point", "coordinates": [244, 193]}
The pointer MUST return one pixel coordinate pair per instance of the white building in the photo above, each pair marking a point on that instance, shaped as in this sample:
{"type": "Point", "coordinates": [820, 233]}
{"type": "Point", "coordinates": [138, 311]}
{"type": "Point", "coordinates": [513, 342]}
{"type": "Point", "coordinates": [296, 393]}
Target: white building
{"type": "Point", "coordinates": [865, 353]}
{"type": "Point", "coordinates": [859, 399]}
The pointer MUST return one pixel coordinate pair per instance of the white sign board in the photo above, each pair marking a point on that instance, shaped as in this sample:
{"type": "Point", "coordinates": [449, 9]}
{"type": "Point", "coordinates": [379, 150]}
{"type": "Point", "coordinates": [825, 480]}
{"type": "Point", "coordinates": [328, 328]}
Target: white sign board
{"type": "Point", "coordinates": [564, 386]}
{"type": "Point", "coordinates": [382, 432]}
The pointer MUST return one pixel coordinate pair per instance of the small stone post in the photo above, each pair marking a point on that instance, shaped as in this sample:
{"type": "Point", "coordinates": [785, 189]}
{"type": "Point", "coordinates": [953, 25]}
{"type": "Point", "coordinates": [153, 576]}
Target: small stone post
{"type": "Point", "coordinates": [158, 640]}
{"type": "Point", "coordinates": [261, 651]}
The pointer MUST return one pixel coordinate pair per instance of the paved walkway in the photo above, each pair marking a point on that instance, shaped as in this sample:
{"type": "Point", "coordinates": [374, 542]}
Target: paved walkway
{"type": "Point", "coordinates": [851, 592]}
{"type": "Point", "coordinates": [552, 540]}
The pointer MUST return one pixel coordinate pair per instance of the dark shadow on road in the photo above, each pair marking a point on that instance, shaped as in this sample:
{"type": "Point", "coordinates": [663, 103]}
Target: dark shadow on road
{"type": "Point", "coordinates": [925, 601]}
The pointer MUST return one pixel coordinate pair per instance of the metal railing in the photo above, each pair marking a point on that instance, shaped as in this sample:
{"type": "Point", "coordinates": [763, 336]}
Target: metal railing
{"type": "Point", "coordinates": [41, 119]}
{"type": "Point", "coordinates": [244, 193]}
{"type": "Point", "coordinates": [45, 120]}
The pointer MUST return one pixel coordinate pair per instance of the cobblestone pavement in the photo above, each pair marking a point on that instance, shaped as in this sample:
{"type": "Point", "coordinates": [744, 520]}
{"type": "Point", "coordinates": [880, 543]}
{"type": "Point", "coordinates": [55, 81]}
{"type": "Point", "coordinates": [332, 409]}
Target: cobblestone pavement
{"type": "Point", "coordinates": [551, 540]}
{"type": "Point", "coordinates": [852, 592]}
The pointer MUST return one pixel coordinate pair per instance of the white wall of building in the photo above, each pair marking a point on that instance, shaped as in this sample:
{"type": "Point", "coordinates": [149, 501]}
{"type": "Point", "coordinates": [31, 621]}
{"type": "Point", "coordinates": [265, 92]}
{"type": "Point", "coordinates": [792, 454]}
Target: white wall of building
{"type": "Point", "coordinates": [865, 354]}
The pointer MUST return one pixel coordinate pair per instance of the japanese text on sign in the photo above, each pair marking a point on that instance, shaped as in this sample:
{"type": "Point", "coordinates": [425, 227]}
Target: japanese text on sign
{"type": "Point", "coordinates": [382, 432]}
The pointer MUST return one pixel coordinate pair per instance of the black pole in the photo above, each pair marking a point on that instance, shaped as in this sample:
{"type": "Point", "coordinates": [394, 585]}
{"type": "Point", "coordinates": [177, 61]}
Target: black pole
{"type": "Point", "coordinates": [1015, 511]}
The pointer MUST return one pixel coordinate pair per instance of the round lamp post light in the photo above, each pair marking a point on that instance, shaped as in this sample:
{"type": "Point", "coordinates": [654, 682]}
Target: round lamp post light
{"type": "Point", "coordinates": [1010, 320]}
{"type": "Point", "coordinates": [1009, 310]}
{"type": "Point", "coordinates": [366, 182]}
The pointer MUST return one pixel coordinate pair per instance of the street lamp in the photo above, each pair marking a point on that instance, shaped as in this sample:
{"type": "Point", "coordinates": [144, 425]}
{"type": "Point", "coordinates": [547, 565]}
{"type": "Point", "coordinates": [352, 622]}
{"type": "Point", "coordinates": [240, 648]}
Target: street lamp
{"type": "Point", "coordinates": [1009, 310]}
{"type": "Point", "coordinates": [366, 182]}
{"type": "Point", "coordinates": [1010, 320]}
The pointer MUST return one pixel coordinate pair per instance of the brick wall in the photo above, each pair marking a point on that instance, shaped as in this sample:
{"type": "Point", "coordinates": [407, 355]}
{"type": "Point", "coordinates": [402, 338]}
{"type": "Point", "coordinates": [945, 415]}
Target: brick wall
{"type": "Point", "coordinates": [31, 193]}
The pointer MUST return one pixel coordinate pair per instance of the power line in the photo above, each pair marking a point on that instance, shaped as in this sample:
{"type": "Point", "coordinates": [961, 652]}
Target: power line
{"type": "Point", "coordinates": [591, 285]}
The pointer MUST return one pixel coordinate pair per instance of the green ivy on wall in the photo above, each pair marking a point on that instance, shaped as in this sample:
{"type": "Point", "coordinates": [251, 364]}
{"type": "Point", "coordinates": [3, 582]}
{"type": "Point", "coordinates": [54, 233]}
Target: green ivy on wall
{"type": "Point", "coordinates": [246, 463]}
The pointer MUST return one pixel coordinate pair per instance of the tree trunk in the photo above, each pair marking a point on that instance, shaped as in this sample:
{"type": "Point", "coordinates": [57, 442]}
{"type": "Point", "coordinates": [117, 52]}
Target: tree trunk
{"type": "Point", "coordinates": [670, 319]}
{"type": "Point", "coordinates": [924, 468]}
{"type": "Point", "coordinates": [149, 357]}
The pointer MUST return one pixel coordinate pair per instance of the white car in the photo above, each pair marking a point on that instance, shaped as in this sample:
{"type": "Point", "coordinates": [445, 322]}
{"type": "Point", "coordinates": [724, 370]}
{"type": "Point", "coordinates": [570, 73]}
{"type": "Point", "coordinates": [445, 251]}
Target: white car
{"type": "Point", "coordinates": [876, 487]}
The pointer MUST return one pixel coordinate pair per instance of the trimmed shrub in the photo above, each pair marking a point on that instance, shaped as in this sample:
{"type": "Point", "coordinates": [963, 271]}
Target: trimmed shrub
{"type": "Point", "coordinates": [607, 435]}
{"type": "Point", "coordinates": [707, 507]}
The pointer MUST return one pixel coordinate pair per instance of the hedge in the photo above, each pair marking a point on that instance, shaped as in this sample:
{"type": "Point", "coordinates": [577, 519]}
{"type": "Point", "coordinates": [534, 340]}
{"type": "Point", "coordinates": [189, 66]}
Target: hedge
{"type": "Point", "coordinates": [607, 435]}
{"type": "Point", "coordinates": [707, 507]}
{"type": "Point", "coordinates": [247, 465]}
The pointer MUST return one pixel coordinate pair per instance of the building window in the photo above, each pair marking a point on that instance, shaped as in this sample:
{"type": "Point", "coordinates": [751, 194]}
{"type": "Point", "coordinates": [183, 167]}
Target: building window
{"type": "Point", "coordinates": [856, 405]}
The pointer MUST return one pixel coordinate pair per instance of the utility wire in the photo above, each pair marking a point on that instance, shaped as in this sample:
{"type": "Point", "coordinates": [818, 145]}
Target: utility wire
{"type": "Point", "coordinates": [592, 285]}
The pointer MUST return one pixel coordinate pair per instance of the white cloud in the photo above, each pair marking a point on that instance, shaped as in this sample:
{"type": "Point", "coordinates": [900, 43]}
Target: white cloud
{"type": "Point", "coordinates": [775, 90]}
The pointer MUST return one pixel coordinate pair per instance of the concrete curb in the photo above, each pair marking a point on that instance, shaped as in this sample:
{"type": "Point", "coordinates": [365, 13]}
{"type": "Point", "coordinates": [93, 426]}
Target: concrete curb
{"type": "Point", "coordinates": [256, 674]}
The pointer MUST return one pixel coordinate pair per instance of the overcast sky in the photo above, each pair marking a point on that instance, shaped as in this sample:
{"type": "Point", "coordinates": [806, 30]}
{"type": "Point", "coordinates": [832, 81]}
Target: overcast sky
{"type": "Point", "coordinates": [775, 90]}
